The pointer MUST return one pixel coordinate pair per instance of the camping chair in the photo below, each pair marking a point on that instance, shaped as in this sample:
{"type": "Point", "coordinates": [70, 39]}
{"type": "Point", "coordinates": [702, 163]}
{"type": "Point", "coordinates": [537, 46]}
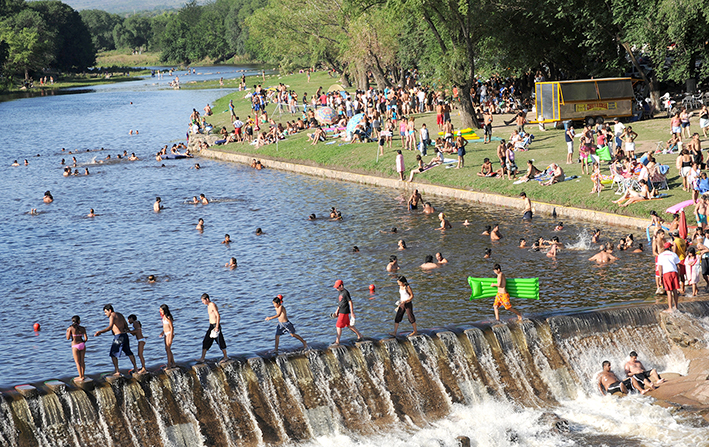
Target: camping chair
{"type": "Point", "coordinates": [658, 179]}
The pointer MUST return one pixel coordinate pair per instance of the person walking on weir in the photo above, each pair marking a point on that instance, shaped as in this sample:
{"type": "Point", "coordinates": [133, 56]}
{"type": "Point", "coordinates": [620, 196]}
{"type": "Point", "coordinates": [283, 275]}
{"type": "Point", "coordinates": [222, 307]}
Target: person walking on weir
{"type": "Point", "coordinates": [117, 323]}
{"type": "Point", "coordinates": [345, 308]}
{"type": "Point", "coordinates": [214, 331]}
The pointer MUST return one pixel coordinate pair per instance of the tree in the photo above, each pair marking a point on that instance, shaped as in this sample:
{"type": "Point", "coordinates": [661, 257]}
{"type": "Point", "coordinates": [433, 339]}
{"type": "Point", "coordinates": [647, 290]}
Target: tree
{"type": "Point", "coordinates": [457, 28]}
{"type": "Point", "coordinates": [28, 42]}
{"type": "Point", "coordinates": [100, 25]}
{"type": "Point", "coordinates": [73, 49]}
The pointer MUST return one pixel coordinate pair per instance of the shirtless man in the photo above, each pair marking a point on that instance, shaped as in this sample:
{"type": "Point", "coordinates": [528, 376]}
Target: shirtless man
{"type": "Point", "coordinates": [117, 323]}
{"type": "Point", "coordinates": [203, 199]}
{"type": "Point", "coordinates": [635, 369]}
{"type": "Point", "coordinates": [440, 259]}
{"type": "Point", "coordinates": [428, 264]}
{"type": "Point", "coordinates": [527, 213]}
{"type": "Point", "coordinates": [604, 256]}
{"type": "Point", "coordinates": [502, 298]}
{"type": "Point", "coordinates": [495, 234]}
{"type": "Point", "coordinates": [557, 177]}
{"type": "Point", "coordinates": [608, 382]}
{"type": "Point", "coordinates": [393, 265]}
{"type": "Point", "coordinates": [157, 206]}
{"type": "Point", "coordinates": [214, 331]}
{"type": "Point", "coordinates": [448, 132]}
{"type": "Point", "coordinates": [428, 208]}
{"type": "Point", "coordinates": [415, 199]}
{"type": "Point", "coordinates": [138, 332]}
{"type": "Point", "coordinates": [487, 123]}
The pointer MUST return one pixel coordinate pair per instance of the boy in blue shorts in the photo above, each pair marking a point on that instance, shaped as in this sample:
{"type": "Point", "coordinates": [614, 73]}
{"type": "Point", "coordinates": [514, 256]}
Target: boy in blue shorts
{"type": "Point", "coordinates": [284, 326]}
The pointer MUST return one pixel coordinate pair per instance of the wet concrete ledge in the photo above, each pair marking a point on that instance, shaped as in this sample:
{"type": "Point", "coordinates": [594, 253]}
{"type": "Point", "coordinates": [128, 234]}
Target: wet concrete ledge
{"type": "Point", "coordinates": [426, 188]}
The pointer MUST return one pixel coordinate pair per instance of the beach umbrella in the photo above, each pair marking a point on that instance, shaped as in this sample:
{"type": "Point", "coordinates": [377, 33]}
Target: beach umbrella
{"type": "Point", "coordinates": [335, 88]}
{"type": "Point", "coordinates": [326, 115]}
{"type": "Point", "coordinates": [352, 123]}
{"type": "Point", "coordinates": [682, 225]}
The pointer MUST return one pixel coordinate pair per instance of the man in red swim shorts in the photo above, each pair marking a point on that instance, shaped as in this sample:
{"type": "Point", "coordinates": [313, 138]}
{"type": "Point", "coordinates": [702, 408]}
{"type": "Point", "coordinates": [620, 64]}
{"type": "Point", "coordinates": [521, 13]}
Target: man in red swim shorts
{"type": "Point", "coordinates": [667, 262]}
{"type": "Point", "coordinates": [345, 307]}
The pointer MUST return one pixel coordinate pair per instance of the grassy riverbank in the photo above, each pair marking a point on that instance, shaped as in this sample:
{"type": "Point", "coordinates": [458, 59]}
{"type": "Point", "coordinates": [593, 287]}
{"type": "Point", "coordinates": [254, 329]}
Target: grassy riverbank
{"type": "Point", "coordinates": [548, 147]}
{"type": "Point", "coordinates": [123, 58]}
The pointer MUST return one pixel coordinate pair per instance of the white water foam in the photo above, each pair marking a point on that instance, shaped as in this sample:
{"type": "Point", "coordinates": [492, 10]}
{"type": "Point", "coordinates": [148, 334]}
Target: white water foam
{"type": "Point", "coordinates": [594, 420]}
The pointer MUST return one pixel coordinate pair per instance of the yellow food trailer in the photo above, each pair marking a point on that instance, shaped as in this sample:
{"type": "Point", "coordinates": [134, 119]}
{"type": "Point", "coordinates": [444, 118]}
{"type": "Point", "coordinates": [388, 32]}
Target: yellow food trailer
{"type": "Point", "coordinates": [588, 100]}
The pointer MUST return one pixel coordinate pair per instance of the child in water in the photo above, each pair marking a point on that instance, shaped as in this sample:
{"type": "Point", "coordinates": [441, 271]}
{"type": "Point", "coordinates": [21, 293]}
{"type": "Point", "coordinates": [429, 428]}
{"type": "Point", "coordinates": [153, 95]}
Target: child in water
{"type": "Point", "coordinates": [284, 326]}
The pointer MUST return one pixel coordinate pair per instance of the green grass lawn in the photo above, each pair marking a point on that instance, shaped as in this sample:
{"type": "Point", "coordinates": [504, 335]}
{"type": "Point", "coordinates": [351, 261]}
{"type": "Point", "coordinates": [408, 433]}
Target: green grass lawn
{"type": "Point", "coordinates": [124, 58]}
{"type": "Point", "coordinates": [548, 147]}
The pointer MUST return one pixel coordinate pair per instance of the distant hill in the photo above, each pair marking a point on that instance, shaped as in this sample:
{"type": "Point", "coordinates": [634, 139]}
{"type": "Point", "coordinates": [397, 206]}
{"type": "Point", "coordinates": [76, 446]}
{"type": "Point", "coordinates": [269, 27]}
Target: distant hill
{"type": "Point", "coordinates": [125, 6]}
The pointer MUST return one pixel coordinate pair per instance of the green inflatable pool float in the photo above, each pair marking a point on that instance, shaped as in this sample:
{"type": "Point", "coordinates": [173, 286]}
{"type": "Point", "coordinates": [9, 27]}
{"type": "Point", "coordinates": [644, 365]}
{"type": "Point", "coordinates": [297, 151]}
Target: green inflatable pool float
{"type": "Point", "coordinates": [527, 288]}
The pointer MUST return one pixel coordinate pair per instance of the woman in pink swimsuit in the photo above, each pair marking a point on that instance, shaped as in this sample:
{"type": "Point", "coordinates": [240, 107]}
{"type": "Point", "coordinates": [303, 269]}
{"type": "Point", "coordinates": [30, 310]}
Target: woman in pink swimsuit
{"type": "Point", "coordinates": [78, 337]}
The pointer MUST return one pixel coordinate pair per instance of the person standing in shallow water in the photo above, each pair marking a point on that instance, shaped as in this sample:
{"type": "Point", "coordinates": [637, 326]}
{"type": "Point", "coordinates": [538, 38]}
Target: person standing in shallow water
{"type": "Point", "coordinates": [78, 337]}
{"type": "Point", "coordinates": [406, 306]}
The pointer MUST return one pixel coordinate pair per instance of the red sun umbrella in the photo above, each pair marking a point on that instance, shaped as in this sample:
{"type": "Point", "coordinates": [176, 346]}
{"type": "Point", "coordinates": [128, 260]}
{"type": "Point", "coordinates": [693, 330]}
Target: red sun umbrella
{"type": "Point", "coordinates": [682, 225]}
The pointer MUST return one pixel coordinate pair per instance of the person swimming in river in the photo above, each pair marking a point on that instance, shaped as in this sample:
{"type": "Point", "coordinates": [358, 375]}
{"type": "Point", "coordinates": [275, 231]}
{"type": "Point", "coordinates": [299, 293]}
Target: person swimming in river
{"type": "Point", "coordinates": [231, 264]}
{"type": "Point", "coordinates": [48, 198]}
{"type": "Point", "coordinates": [203, 199]}
{"type": "Point", "coordinates": [495, 234]}
{"type": "Point", "coordinates": [444, 222]}
{"type": "Point", "coordinates": [428, 263]}
{"type": "Point", "coordinates": [200, 225]}
{"type": "Point", "coordinates": [227, 239]}
{"type": "Point", "coordinates": [393, 265]}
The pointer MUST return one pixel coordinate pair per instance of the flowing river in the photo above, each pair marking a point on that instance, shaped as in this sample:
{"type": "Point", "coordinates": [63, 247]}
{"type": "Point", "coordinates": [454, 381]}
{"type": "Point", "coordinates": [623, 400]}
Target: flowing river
{"type": "Point", "coordinates": [60, 263]}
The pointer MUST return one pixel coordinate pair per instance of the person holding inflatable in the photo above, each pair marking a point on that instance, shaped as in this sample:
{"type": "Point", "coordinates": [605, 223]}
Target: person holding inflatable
{"type": "Point", "coordinates": [502, 298]}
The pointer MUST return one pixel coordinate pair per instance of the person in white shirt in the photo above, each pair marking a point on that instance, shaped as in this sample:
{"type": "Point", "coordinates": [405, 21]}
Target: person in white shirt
{"type": "Point", "coordinates": [667, 268]}
{"type": "Point", "coordinates": [618, 129]}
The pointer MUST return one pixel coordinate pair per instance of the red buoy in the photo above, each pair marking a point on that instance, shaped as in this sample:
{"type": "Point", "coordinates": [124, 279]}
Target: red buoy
{"type": "Point", "coordinates": [37, 327]}
{"type": "Point", "coordinates": [372, 288]}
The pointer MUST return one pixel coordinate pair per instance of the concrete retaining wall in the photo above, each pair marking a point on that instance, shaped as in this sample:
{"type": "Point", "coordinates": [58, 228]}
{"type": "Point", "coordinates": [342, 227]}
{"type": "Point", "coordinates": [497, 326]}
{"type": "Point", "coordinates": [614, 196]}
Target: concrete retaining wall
{"type": "Point", "coordinates": [425, 188]}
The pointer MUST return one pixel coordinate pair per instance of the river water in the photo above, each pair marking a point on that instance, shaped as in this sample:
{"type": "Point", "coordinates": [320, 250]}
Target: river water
{"type": "Point", "coordinates": [61, 263]}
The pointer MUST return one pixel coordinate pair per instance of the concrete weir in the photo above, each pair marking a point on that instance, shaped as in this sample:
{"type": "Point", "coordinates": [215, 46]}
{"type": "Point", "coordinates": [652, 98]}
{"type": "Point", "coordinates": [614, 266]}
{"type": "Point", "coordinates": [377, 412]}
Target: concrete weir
{"type": "Point", "coordinates": [369, 387]}
{"type": "Point", "coordinates": [425, 188]}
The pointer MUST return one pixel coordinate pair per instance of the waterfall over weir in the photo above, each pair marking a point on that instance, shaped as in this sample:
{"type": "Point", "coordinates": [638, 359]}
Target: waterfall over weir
{"type": "Point", "coordinates": [361, 390]}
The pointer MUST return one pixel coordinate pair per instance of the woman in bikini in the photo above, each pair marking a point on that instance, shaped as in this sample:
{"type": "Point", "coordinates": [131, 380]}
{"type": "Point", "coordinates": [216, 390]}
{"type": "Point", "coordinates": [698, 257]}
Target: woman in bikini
{"type": "Point", "coordinates": [168, 333]}
{"type": "Point", "coordinates": [78, 337]}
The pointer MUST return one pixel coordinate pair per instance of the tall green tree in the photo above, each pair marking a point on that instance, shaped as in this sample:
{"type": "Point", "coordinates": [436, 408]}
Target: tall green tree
{"type": "Point", "coordinates": [28, 41]}
{"type": "Point", "coordinates": [73, 48]}
{"type": "Point", "coordinates": [100, 25]}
